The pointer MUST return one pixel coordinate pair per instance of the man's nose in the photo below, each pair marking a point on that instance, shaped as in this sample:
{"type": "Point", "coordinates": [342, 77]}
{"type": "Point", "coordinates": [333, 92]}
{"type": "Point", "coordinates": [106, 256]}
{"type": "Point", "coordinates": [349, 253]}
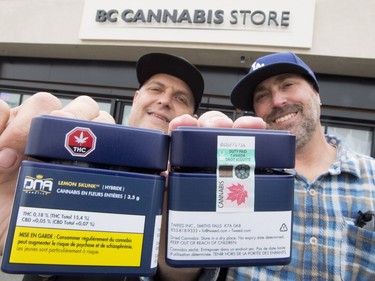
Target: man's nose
{"type": "Point", "coordinates": [278, 99]}
{"type": "Point", "coordinates": [165, 99]}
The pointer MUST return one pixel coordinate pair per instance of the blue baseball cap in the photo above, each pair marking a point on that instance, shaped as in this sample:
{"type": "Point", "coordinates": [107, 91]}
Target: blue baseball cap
{"type": "Point", "coordinates": [264, 68]}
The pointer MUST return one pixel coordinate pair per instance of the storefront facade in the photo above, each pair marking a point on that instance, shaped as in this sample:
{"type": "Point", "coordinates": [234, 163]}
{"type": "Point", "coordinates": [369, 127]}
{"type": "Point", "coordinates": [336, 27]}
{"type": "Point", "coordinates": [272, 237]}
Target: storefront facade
{"type": "Point", "coordinates": [76, 47]}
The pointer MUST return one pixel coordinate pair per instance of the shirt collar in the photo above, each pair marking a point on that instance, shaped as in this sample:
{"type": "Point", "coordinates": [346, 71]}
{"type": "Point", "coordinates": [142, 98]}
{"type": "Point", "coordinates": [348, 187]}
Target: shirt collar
{"type": "Point", "coordinates": [346, 160]}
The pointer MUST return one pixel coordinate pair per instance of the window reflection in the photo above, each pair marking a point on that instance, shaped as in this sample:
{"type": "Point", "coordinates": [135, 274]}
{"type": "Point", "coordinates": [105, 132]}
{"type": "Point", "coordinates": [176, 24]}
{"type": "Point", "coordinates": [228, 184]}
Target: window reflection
{"type": "Point", "coordinates": [358, 139]}
{"type": "Point", "coordinates": [12, 99]}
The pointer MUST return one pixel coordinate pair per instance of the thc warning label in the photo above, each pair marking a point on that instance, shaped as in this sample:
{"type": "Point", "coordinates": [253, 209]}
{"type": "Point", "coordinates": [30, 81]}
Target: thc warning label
{"type": "Point", "coordinates": [62, 237]}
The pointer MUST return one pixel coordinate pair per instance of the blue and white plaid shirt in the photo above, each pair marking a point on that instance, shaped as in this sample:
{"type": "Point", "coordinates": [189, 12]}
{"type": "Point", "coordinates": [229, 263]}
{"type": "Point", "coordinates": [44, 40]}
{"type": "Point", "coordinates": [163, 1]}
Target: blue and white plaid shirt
{"type": "Point", "coordinates": [326, 243]}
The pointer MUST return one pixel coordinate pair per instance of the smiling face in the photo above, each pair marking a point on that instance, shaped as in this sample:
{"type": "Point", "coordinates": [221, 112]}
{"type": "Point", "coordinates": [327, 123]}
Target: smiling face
{"type": "Point", "coordinates": [289, 102]}
{"type": "Point", "coordinates": [159, 100]}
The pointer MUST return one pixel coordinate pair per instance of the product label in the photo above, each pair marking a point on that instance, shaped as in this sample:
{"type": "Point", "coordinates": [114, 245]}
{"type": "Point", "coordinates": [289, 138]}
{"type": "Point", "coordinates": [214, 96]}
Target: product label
{"type": "Point", "coordinates": [72, 216]}
{"type": "Point", "coordinates": [48, 236]}
{"type": "Point", "coordinates": [225, 236]}
{"type": "Point", "coordinates": [155, 248]}
{"type": "Point", "coordinates": [235, 174]}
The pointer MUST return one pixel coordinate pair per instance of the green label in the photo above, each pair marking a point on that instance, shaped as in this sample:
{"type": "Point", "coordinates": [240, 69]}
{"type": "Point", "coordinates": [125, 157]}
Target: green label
{"type": "Point", "coordinates": [235, 174]}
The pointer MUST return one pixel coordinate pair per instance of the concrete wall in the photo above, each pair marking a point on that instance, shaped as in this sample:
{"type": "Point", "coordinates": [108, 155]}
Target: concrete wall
{"type": "Point", "coordinates": [343, 39]}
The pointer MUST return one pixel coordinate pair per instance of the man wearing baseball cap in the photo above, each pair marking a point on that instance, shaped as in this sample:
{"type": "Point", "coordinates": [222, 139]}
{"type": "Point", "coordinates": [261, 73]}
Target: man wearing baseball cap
{"type": "Point", "coordinates": [332, 182]}
{"type": "Point", "coordinates": [266, 67]}
{"type": "Point", "coordinates": [169, 86]}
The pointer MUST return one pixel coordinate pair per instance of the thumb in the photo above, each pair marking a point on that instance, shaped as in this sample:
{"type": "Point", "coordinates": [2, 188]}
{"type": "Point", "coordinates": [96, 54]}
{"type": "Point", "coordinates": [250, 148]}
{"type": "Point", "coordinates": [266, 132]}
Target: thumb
{"type": "Point", "coordinates": [8, 157]}
{"type": "Point", "coordinates": [15, 127]}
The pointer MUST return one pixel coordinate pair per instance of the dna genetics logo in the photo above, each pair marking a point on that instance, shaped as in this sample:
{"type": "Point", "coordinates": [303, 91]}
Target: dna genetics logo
{"type": "Point", "coordinates": [38, 185]}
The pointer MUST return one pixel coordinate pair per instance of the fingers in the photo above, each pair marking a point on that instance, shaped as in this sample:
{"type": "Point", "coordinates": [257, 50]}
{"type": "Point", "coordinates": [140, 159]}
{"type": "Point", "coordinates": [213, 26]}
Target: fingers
{"type": "Point", "coordinates": [249, 122]}
{"type": "Point", "coordinates": [104, 117]}
{"type": "Point", "coordinates": [215, 119]}
{"type": "Point", "coordinates": [16, 129]}
{"type": "Point", "coordinates": [4, 115]}
{"type": "Point", "coordinates": [183, 120]}
{"type": "Point", "coordinates": [83, 107]}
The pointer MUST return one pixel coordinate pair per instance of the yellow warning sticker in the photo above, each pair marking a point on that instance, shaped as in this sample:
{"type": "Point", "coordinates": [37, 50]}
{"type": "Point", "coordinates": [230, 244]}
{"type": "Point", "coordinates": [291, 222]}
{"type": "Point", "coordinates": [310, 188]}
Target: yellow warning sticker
{"type": "Point", "coordinates": [75, 247]}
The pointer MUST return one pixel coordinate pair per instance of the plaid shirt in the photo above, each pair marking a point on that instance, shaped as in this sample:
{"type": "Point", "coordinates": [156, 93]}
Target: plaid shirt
{"type": "Point", "coordinates": [326, 243]}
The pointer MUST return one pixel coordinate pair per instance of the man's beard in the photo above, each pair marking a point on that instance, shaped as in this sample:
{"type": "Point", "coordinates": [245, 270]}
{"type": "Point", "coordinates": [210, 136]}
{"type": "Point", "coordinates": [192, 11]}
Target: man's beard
{"type": "Point", "coordinates": [303, 130]}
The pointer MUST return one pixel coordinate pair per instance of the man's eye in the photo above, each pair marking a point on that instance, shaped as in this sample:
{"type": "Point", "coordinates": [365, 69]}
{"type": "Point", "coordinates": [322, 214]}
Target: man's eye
{"type": "Point", "coordinates": [181, 99]}
{"type": "Point", "coordinates": [287, 85]}
{"type": "Point", "coordinates": [260, 96]}
{"type": "Point", "coordinates": [155, 89]}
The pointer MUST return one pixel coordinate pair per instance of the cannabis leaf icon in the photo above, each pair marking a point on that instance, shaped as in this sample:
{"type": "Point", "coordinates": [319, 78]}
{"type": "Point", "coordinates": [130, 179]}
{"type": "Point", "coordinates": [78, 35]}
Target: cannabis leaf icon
{"type": "Point", "coordinates": [81, 140]}
{"type": "Point", "coordinates": [237, 193]}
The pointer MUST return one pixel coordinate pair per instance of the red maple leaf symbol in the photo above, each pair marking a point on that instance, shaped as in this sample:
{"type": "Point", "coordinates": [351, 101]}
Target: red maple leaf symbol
{"type": "Point", "coordinates": [237, 192]}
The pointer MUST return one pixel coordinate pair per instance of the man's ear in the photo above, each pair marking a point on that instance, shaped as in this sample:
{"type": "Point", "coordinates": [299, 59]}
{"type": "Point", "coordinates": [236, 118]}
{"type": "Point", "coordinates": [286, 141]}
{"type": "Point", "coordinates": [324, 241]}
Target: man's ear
{"type": "Point", "coordinates": [135, 95]}
{"type": "Point", "coordinates": [318, 97]}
